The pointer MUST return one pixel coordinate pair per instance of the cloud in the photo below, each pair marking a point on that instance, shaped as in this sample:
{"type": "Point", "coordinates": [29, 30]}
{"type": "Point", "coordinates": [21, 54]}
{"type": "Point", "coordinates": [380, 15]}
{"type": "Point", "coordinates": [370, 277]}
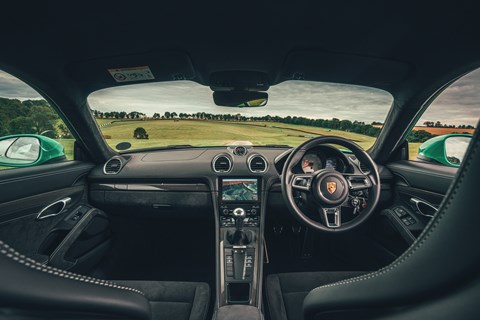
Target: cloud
{"type": "Point", "coordinates": [13, 88]}
{"type": "Point", "coordinates": [294, 98]}
{"type": "Point", "coordinates": [458, 104]}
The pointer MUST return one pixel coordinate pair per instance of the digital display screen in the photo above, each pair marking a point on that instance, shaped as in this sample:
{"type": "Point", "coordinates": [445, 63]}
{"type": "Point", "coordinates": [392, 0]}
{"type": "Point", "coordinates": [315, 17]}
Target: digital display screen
{"type": "Point", "coordinates": [240, 189]}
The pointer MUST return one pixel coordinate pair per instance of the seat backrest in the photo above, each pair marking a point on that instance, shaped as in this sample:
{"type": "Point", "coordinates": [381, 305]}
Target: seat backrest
{"type": "Point", "coordinates": [442, 264]}
{"type": "Point", "coordinates": [30, 290]}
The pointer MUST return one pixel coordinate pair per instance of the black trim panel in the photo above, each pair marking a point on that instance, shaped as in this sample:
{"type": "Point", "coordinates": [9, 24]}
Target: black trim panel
{"type": "Point", "coordinates": [24, 182]}
{"type": "Point", "coordinates": [426, 176]}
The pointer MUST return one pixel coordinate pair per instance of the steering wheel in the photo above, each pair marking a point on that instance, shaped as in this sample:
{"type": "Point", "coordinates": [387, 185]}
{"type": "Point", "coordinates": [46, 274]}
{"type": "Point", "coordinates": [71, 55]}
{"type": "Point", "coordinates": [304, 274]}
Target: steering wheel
{"type": "Point", "coordinates": [329, 190]}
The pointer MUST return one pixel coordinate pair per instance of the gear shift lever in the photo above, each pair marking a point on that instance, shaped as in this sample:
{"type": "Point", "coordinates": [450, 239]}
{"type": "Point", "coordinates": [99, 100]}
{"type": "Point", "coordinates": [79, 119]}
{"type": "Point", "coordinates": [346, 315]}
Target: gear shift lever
{"type": "Point", "coordinates": [239, 214]}
{"type": "Point", "coordinates": [239, 237]}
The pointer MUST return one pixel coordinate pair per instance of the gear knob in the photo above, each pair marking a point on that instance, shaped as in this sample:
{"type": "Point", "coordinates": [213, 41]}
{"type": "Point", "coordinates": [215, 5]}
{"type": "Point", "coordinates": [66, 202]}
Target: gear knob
{"type": "Point", "coordinates": [239, 214]}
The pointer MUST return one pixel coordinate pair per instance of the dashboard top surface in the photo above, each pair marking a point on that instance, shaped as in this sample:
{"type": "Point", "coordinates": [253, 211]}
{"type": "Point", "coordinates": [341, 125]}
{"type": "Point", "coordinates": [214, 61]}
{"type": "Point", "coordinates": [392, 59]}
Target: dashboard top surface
{"type": "Point", "coordinates": [197, 163]}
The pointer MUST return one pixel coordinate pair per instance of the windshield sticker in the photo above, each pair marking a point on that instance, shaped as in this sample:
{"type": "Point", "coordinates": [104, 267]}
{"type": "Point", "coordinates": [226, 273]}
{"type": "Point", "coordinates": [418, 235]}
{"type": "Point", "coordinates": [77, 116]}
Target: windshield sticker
{"type": "Point", "coordinates": [131, 74]}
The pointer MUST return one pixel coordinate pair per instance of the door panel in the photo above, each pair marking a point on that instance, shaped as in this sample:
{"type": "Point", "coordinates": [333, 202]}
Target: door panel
{"type": "Point", "coordinates": [424, 176]}
{"type": "Point", "coordinates": [24, 182]}
{"type": "Point", "coordinates": [414, 182]}
{"type": "Point", "coordinates": [75, 238]}
{"type": "Point", "coordinates": [19, 226]}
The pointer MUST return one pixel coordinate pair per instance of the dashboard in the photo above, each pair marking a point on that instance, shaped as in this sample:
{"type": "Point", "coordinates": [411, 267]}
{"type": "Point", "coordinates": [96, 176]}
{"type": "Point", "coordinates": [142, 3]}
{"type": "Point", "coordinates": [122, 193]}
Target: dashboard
{"type": "Point", "coordinates": [158, 181]}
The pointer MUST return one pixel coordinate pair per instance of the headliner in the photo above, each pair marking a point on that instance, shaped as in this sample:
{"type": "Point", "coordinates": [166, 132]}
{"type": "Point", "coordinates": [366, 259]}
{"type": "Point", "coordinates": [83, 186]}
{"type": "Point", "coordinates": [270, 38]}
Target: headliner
{"type": "Point", "coordinates": [411, 49]}
{"type": "Point", "coordinates": [386, 45]}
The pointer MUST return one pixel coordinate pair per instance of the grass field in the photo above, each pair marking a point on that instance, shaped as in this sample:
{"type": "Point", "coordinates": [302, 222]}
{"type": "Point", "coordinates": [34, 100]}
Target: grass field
{"type": "Point", "coordinates": [215, 133]}
{"type": "Point", "coordinates": [442, 131]}
{"type": "Point", "coordinates": [413, 150]}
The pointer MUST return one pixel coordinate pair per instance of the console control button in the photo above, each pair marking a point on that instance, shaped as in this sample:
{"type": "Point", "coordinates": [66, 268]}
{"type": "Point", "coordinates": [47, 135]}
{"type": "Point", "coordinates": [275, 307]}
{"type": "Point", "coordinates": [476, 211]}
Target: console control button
{"type": "Point", "coordinates": [399, 212]}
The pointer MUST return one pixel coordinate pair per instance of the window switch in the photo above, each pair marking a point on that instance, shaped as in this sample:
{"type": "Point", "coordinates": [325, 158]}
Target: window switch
{"type": "Point", "coordinates": [406, 221]}
{"type": "Point", "coordinates": [399, 212]}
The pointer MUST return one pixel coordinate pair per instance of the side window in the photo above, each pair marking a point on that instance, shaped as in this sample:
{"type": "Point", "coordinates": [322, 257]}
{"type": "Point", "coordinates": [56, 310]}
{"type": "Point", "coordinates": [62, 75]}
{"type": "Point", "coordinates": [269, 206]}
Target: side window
{"type": "Point", "coordinates": [444, 131]}
{"type": "Point", "coordinates": [31, 132]}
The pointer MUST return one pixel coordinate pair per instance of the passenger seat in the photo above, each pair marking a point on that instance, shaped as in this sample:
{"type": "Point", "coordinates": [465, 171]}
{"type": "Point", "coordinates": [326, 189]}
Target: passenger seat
{"type": "Point", "coordinates": [31, 290]}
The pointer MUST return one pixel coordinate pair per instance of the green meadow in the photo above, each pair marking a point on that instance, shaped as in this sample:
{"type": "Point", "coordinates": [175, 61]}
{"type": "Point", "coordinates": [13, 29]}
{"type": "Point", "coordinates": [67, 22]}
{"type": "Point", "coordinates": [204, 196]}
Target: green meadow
{"type": "Point", "coordinates": [217, 133]}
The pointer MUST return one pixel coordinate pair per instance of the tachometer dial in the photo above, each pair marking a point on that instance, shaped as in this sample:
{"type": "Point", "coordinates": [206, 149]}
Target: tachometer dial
{"type": "Point", "coordinates": [311, 163]}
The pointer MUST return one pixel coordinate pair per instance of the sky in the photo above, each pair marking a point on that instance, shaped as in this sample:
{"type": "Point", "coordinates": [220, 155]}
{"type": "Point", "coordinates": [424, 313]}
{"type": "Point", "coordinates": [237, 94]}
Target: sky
{"type": "Point", "coordinates": [458, 104]}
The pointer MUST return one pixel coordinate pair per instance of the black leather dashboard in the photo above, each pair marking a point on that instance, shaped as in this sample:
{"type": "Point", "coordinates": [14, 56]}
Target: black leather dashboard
{"type": "Point", "coordinates": [160, 179]}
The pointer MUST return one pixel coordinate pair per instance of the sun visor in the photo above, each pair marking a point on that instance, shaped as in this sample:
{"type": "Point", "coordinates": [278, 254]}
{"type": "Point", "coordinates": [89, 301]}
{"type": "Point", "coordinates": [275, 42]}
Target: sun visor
{"type": "Point", "coordinates": [97, 74]}
{"type": "Point", "coordinates": [343, 68]}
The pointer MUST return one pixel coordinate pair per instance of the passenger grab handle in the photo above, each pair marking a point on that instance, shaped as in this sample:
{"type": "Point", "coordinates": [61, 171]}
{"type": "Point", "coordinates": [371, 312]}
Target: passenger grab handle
{"type": "Point", "coordinates": [53, 209]}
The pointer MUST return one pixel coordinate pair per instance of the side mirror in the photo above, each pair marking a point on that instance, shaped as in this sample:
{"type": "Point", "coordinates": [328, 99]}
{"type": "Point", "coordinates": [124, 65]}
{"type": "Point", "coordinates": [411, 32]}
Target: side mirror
{"type": "Point", "coordinates": [447, 149]}
{"type": "Point", "coordinates": [25, 150]}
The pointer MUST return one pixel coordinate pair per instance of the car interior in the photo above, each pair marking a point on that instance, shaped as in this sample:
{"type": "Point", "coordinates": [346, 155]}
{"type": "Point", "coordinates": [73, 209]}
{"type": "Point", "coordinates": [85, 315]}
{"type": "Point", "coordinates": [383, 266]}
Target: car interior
{"type": "Point", "coordinates": [325, 229]}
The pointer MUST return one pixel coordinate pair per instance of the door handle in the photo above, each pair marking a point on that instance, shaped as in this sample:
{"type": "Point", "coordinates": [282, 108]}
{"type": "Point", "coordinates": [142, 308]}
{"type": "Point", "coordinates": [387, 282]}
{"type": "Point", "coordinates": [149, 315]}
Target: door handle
{"type": "Point", "coordinates": [424, 208]}
{"type": "Point", "coordinates": [53, 209]}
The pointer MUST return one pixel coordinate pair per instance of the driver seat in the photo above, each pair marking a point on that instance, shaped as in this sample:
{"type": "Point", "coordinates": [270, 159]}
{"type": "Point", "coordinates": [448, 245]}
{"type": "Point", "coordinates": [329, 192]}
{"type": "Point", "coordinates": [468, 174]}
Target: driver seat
{"type": "Point", "coordinates": [436, 278]}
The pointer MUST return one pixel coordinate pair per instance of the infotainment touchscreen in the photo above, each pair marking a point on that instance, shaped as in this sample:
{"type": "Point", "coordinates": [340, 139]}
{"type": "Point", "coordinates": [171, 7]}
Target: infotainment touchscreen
{"type": "Point", "coordinates": [240, 189]}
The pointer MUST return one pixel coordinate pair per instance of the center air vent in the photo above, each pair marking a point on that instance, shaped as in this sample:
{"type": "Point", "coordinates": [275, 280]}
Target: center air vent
{"type": "Point", "coordinates": [113, 166]}
{"type": "Point", "coordinates": [222, 163]}
{"type": "Point", "coordinates": [257, 164]}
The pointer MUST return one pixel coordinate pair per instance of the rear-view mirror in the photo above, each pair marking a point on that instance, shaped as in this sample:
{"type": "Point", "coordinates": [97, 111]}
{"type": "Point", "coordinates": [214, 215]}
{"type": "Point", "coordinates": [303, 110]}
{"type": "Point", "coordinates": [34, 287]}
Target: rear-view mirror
{"type": "Point", "coordinates": [28, 150]}
{"type": "Point", "coordinates": [240, 99]}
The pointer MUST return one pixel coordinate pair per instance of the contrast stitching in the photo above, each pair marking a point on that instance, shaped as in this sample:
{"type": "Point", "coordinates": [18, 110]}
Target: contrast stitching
{"type": "Point", "coordinates": [432, 225]}
{"type": "Point", "coordinates": [28, 262]}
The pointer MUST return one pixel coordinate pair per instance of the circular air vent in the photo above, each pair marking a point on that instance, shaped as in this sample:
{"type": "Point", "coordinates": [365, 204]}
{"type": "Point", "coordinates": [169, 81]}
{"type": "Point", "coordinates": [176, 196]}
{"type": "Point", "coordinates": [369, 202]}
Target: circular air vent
{"type": "Point", "coordinates": [221, 164]}
{"type": "Point", "coordinates": [113, 166]}
{"type": "Point", "coordinates": [257, 163]}
{"type": "Point", "coordinates": [364, 168]}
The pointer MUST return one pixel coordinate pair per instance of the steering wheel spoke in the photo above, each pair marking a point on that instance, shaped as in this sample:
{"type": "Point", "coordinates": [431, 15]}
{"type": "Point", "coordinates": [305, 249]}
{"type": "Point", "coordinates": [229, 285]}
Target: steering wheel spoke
{"type": "Point", "coordinates": [331, 217]}
{"type": "Point", "coordinates": [302, 182]}
{"type": "Point", "coordinates": [358, 181]}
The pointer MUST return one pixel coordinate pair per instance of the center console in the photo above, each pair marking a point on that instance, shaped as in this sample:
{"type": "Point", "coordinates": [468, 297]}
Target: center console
{"type": "Point", "coordinates": [239, 208]}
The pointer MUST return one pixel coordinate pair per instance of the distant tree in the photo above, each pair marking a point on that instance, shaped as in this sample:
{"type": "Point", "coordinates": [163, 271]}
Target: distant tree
{"type": "Point", "coordinates": [167, 115]}
{"type": "Point", "coordinates": [43, 119]}
{"type": "Point", "coordinates": [345, 125]}
{"type": "Point", "coordinates": [21, 125]}
{"type": "Point", "coordinates": [173, 114]}
{"type": "Point", "coordinates": [156, 116]}
{"type": "Point", "coordinates": [135, 114]}
{"type": "Point", "coordinates": [140, 133]}
{"type": "Point", "coordinates": [429, 123]}
{"type": "Point", "coordinates": [438, 124]}
{"type": "Point", "coordinates": [419, 136]}
{"type": "Point", "coordinates": [3, 125]}
{"type": "Point", "coordinates": [63, 131]}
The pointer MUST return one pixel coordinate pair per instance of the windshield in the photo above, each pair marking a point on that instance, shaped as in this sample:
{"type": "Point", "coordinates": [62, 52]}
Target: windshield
{"type": "Point", "coordinates": [183, 113]}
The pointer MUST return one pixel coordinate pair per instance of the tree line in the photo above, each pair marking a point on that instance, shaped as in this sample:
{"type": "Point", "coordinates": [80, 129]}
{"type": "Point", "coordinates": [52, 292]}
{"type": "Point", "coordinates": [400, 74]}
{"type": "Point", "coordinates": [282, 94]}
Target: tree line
{"type": "Point", "coordinates": [438, 124]}
{"type": "Point", "coordinates": [30, 117]}
{"type": "Point", "coordinates": [359, 127]}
